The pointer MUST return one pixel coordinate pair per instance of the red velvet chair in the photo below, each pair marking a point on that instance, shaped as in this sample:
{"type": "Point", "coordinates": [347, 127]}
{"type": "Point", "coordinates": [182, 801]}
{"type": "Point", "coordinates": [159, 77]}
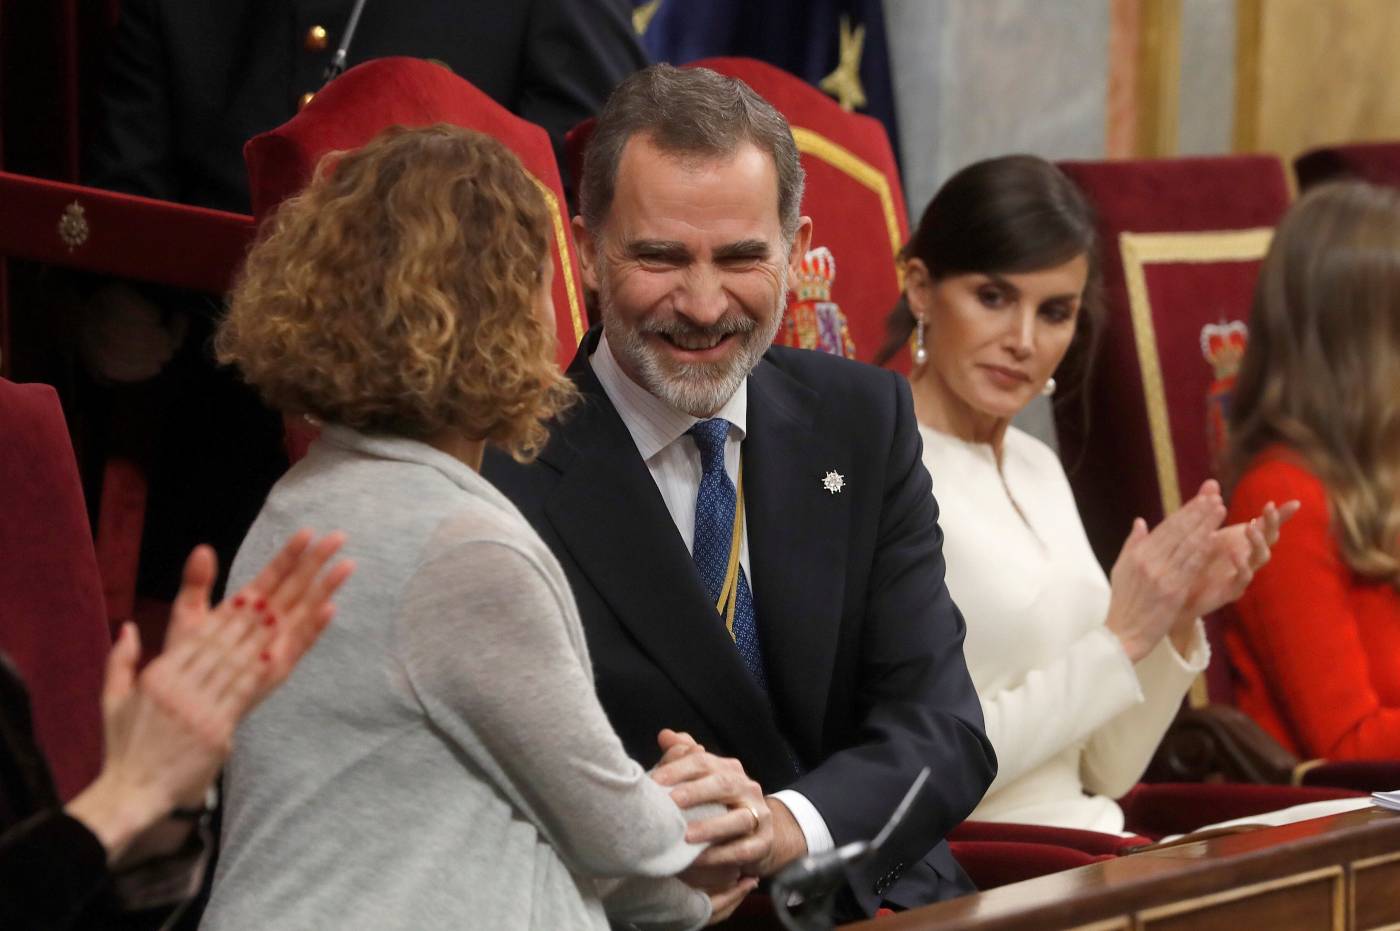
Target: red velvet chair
{"type": "Point", "coordinates": [1158, 809]}
{"type": "Point", "coordinates": [384, 92]}
{"type": "Point", "coordinates": [1094, 843]}
{"type": "Point", "coordinates": [103, 233]}
{"type": "Point", "coordinates": [856, 203]}
{"type": "Point", "coordinates": [999, 863]}
{"type": "Point", "coordinates": [1376, 162]}
{"type": "Point", "coordinates": [52, 620]}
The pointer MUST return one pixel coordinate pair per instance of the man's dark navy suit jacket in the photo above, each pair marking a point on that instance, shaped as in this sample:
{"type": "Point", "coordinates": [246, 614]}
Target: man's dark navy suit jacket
{"type": "Point", "coordinates": [866, 677]}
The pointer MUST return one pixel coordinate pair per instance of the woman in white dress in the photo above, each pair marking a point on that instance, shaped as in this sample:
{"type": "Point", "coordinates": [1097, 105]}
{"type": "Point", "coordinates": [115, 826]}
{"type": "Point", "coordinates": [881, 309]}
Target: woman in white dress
{"type": "Point", "coordinates": [1079, 674]}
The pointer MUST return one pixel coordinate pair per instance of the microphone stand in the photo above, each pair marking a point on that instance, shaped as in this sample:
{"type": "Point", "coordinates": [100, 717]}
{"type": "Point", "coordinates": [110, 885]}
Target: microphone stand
{"type": "Point", "coordinates": [815, 880]}
{"type": "Point", "coordinates": [337, 65]}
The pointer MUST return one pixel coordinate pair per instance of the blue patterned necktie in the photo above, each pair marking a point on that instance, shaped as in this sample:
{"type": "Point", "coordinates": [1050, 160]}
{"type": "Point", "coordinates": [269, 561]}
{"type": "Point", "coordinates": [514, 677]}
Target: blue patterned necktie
{"type": "Point", "coordinates": [714, 534]}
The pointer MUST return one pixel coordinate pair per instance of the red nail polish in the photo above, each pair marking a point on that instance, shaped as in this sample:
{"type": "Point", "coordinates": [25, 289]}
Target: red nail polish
{"type": "Point", "coordinates": [260, 604]}
{"type": "Point", "coordinates": [239, 601]}
{"type": "Point", "coordinates": [269, 620]}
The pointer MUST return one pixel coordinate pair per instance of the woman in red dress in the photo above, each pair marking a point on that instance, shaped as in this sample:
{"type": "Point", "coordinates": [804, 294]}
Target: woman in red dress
{"type": "Point", "coordinates": [1315, 643]}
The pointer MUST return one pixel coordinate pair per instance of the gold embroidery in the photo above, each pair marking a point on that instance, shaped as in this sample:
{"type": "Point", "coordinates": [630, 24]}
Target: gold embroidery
{"type": "Point", "coordinates": [561, 243]}
{"type": "Point", "coordinates": [848, 163]}
{"type": "Point", "coordinates": [73, 226]}
{"type": "Point", "coordinates": [844, 83]}
{"type": "Point", "coordinates": [1138, 250]}
{"type": "Point", "coordinates": [642, 15]}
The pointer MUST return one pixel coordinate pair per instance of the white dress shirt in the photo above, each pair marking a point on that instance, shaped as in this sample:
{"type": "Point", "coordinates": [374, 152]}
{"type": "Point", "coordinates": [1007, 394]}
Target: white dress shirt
{"type": "Point", "coordinates": [673, 459]}
{"type": "Point", "coordinates": [1073, 722]}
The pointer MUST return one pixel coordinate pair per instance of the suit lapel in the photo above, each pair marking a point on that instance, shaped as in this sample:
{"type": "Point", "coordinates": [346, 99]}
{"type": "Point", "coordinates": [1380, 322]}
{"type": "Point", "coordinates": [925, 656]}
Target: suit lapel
{"type": "Point", "coordinates": [798, 539]}
{"type": "Point", "coordinates": [610, 516]}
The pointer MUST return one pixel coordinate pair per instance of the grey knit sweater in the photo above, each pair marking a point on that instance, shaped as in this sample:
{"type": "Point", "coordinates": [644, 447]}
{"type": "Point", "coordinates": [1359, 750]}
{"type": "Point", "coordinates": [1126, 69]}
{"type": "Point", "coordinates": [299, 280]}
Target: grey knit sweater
{"type": "Point", "coordinates": [439, 759]}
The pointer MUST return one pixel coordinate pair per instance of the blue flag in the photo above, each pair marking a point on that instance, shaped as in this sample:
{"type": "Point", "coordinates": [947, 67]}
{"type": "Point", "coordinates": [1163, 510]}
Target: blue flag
{"type": "Point", "coordinates": [836, 45]}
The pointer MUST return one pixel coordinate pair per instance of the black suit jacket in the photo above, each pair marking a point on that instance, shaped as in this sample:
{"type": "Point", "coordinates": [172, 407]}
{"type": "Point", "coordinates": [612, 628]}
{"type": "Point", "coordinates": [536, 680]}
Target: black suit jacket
{"type": "Point", "coordinates": [187, 82]}
{"type": "Point", "coordinates": [866, 673]}
{"type": "Point", "coordinates": [53, 869]}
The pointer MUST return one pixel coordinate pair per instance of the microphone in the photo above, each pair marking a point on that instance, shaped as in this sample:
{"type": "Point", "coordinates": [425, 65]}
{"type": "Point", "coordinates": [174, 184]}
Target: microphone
{"type": "Point", "coordinates": [815, 880]}
{"type": "Point", "coordinates": [337, 65]}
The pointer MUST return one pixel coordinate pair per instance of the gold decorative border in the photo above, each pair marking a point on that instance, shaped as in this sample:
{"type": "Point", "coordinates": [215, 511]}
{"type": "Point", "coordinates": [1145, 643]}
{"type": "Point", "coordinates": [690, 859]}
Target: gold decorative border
{"type": "Point", "coordinates": [561, 242]}
{"type": "Point", "coordinates": [1138, 250]}
{"type": "Point", "coordinates": [1334, 873]}
{"type": "Point", "coordinates": [848, 163]}
{"type": "Point", "coordinates": [1367, 862]}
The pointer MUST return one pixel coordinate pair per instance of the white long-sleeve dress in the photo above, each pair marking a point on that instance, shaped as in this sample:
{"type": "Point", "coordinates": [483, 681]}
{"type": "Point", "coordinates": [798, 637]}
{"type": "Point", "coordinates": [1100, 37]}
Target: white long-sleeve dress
{"type": "Point", "coordinates": [1073, 722]}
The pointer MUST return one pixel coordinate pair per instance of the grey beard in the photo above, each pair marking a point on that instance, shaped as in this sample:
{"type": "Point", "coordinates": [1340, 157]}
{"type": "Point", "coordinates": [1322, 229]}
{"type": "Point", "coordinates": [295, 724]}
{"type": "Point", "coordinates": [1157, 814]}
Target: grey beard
{"type": "Point", "coordinates": [698, 389]}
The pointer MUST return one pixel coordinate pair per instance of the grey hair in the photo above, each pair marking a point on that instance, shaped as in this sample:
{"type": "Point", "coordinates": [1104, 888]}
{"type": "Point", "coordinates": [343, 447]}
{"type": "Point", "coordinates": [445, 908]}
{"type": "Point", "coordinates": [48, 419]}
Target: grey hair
{"type": "Point", "coordinates": [688, 112]}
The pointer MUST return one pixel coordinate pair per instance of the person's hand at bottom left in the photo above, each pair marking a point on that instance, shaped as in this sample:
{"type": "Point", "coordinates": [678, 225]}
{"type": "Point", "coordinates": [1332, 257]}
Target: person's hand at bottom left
{"type": "Point", "coordinates": [168, 728]}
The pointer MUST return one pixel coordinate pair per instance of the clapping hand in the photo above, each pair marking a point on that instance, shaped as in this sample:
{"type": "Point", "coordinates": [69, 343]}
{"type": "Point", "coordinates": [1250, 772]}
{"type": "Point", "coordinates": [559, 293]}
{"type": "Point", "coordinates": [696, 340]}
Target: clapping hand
{"type": "Point", "coordinates": [1155, 571]}
{"type": "Point", "coordinates": [169, 727]}
{"type": "Point", "coordinates": [290, 590]}
{"type": "Point", "coordinates": [1234, 554]}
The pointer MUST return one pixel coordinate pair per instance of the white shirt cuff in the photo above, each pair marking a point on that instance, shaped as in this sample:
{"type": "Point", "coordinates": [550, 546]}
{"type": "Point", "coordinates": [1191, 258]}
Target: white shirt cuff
{"type": "Point", "coordinates": [810, 820]}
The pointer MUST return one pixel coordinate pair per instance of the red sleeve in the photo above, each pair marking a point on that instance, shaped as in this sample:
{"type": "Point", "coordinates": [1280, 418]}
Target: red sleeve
{"type": "Point", "coordinates": [1297, 619]}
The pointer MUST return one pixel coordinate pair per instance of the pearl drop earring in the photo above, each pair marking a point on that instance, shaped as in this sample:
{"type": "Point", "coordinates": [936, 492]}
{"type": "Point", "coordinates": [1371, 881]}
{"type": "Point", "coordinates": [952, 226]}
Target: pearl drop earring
{"type": "Point", "coordinates": [1049, 387]}
{"type": "Point", "coordinates": [920, 351]}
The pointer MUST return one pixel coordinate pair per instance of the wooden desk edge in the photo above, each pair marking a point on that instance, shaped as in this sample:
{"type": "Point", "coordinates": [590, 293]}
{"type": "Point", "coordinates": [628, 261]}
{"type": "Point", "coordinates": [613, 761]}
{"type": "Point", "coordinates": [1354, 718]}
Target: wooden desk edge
{"type": "Point", "coordinates": [1106, 891]}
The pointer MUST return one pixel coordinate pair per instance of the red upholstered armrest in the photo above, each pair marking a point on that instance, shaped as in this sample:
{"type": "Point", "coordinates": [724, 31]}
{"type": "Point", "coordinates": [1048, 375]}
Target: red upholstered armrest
{"type": "Point", "coordinates": [1360, 776]}
{"type": "Point", "coordinates": [1159, 809]}
{"type": "Point", "coordinates": [1095, 843]}
{"type": "Point", "coordinates": [999, 863]}
{"type": "Point", "coordinates": [120, 235]}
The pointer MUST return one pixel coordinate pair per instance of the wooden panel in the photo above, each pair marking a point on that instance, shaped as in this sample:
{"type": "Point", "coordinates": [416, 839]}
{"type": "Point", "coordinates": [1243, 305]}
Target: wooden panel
{"type": "Point", "coordinates": [1374, 883]}
{"type": "Point", "coordinates": [1294, 876]}
{"type": "Point", "coordinates": [1313, 900]}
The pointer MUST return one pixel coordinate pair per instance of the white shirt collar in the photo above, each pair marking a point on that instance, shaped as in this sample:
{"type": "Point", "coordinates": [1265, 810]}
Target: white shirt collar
{"type": "Point", "coordinates": [653, 423]}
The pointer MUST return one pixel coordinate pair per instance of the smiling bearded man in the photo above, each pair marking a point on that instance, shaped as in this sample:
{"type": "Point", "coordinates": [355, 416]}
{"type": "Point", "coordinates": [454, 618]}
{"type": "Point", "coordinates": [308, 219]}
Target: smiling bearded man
{"type": "Point", "coordinates": [748, 529]}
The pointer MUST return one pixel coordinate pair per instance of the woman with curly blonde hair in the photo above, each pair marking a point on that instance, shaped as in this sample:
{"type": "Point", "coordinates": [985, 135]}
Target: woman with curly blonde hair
{"type": "Point", "coordinates": [441, 759]}
{"type": "Point", "coordinates": [1315, 644]}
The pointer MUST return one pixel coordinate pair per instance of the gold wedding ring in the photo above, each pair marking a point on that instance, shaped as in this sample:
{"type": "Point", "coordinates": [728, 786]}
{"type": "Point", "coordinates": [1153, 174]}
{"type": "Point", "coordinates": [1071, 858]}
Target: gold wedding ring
{"type": "Point", "coordinates": [750, 810]}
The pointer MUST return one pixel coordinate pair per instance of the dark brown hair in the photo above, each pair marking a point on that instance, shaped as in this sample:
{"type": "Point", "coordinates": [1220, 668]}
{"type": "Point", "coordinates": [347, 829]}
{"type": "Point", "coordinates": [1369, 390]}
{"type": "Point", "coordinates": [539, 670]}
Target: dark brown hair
{"type": "Point", "coordinates": [1016, 213]}
{"type": "Point", "coordinates": [1321, 373]}
{"type": "Point", "coordinates": [688, 112]}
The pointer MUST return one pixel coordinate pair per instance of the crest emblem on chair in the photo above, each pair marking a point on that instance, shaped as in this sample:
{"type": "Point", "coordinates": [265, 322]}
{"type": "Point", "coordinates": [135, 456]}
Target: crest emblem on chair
{"type": "Point", "coordinates": [1222, 345]}
{"type": "Point", "coordinates": [813, 320]}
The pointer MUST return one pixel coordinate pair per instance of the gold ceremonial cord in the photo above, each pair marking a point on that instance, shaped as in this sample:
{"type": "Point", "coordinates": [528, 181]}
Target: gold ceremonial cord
{"type": "Point", "coordinates": [729, 594]}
